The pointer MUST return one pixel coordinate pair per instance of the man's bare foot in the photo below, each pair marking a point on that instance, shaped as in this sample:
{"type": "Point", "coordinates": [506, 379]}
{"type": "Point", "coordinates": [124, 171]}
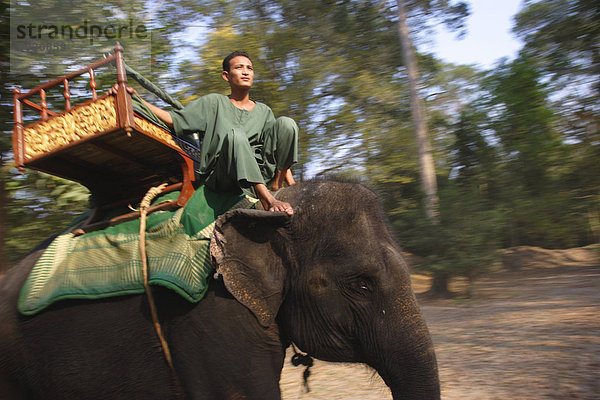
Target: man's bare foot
{"type": "Point", "coordinates": [289, 178]}
{"type": "Point", "coordinates": [281, 177]}
{"type": "Point", "coordinates": [277, 182]}
{"type": "Point", "coordinates": [282, 206]}
{"type": "Point", "coordinates": [269, 202]}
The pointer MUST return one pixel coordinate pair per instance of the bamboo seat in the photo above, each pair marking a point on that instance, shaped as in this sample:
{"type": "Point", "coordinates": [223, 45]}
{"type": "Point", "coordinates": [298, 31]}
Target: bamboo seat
{"type": "Point", "coordinates": [101, 143]}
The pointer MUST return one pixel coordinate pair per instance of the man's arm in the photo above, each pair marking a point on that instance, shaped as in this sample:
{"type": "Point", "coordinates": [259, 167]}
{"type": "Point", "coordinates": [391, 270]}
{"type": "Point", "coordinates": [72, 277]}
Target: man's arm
{"type": "Point", "coordinates": [163, 115]}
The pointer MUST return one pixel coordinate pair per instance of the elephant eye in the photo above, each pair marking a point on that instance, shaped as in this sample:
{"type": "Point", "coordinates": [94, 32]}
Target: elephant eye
{"type": "Point", "coordinates": [364, 284]}
{"type": "Point", "coordinates": [359, 286]}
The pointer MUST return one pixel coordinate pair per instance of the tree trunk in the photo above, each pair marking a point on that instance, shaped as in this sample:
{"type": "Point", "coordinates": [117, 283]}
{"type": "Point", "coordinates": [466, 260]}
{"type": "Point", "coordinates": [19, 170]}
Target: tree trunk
{"type": "Point", "coordinates": [3, 208]}
{"type": "Point", "coordinates": [424, 151]}
{"type": "Point", "coordinates": [426, 164]}
{"type": "Point", "coordinates": [439, 286]}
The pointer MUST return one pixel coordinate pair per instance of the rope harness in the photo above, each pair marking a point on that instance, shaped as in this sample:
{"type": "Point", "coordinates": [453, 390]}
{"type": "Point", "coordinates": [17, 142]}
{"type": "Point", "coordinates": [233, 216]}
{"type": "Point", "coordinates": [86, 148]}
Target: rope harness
{"type": "Point", "coordinates": [144, 206]}
{"type": "Point", "coordinates": [302, 359]}
{"type": "Point", "coordinates": [297, 359]}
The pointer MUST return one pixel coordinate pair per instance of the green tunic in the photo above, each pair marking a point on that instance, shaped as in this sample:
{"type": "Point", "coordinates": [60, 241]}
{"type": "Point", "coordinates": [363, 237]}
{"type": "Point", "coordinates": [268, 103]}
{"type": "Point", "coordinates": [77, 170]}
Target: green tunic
{"type": "Point", "coordinates": [239, 147]}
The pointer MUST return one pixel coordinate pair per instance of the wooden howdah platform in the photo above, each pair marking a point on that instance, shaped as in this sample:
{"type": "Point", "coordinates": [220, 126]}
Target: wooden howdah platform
{"type": "Point", "coordinates": [101, 143]}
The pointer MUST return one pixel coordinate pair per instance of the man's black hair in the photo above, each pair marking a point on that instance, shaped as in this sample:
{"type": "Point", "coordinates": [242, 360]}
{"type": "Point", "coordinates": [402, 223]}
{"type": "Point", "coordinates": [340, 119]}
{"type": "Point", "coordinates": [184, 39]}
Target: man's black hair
{"type": "Point", "coordinates": [227, 60]}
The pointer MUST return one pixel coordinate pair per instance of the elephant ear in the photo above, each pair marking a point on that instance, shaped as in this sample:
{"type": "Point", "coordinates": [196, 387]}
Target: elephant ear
{"type": "Point", "coordinates": [246, 248]}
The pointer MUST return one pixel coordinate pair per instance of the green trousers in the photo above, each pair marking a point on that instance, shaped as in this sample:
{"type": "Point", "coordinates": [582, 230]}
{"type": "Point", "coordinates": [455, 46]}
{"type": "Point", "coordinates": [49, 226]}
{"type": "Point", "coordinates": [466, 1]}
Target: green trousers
{"type": "Point", "coordinates": [240, 164]}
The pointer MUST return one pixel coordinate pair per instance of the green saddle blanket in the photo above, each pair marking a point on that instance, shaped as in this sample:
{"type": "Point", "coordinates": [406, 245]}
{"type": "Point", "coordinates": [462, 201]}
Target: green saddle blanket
{"type": "Point", "coordinates": [108, 263]}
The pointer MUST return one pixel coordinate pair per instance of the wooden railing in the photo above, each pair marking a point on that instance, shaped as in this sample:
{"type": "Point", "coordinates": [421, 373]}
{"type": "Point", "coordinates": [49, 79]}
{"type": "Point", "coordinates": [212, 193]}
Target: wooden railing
{"type": "Point", "coordinates": [24, 99]}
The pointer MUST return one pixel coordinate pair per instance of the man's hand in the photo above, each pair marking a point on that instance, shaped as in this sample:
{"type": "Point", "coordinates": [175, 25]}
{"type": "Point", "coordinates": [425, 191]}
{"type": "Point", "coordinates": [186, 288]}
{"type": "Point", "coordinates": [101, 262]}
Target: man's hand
{"type": "Point", "coordinates": [113, 90]}
{"type": "Point", "coordinates": [163, 115]}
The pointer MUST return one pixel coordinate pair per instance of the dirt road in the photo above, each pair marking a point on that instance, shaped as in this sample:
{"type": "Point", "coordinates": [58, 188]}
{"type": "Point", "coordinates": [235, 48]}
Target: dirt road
{"type": "Point", "coordinates": [528, 333]}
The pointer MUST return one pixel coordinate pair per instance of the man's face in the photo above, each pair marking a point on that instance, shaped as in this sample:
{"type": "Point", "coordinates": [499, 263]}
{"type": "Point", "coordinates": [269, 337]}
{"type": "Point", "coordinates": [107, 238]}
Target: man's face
{"type": "Point", "coordinates": [240, 74]}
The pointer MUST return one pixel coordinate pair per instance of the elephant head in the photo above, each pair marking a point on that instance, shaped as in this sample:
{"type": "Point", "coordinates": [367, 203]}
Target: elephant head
{"type": "Point", "coordinates": [334, 280]}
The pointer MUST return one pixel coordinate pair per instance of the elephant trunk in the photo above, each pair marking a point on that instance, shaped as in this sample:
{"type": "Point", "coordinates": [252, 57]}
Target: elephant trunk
{"type": "Point", "coordinates": [407, 361]}
{"type": "Point", "coordinates": [418, 379]}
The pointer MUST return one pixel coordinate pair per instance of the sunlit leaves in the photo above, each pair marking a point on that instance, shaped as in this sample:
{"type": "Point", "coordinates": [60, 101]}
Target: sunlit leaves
{"type": "Point", "coordinates": [39, 205]}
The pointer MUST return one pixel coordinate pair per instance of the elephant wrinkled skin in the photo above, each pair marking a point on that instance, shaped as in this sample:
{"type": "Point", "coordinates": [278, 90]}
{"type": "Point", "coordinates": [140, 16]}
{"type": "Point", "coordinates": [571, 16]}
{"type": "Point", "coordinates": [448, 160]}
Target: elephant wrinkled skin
{"type": "Point", "coordinates": [330, 278]}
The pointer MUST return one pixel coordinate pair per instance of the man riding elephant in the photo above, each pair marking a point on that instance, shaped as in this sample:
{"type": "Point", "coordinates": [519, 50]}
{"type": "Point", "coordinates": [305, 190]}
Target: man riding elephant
{"type": "Point", "coordinates": [243, 145]}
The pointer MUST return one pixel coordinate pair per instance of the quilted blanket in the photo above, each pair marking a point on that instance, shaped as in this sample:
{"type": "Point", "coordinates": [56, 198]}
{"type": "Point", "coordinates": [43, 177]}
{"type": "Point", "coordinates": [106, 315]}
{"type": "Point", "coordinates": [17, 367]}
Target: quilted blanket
{"type": "Point", "coordinates": [108, 263]}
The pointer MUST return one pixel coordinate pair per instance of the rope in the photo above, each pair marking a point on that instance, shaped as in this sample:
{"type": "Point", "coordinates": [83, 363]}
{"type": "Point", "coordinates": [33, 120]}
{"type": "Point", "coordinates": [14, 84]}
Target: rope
{"type": "Point", "coordinates": [144, 205]}
{"type": "Point", "coordinates": [302, 359]}
{"type": "Point", "coordinates": [152, 87]}
{"type": "Point", "coordinates": [149, 85]}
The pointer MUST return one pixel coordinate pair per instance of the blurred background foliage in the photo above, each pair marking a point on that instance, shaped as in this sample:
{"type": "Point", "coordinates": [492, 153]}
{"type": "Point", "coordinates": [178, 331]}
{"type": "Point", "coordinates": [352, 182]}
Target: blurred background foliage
{"type": "Point", "coordinates": [516, 147]}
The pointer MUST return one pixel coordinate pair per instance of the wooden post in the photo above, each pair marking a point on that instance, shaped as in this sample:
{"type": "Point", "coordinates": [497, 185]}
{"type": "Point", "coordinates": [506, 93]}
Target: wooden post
{"type": "Point", "coordinates": [120, 64]}
{"type": "Point", "coordinates": [187, 188]}
{"type": "Point", "coordinates": [44, 105]}
{"type": "Point", "coordinates": [124, 105]}
{"type": "Point", "coordinates": [17, 138]}
{"type": "Point", "coordinates": [93, 83]}
{"type": "Point", "coordinates": [67, 95]}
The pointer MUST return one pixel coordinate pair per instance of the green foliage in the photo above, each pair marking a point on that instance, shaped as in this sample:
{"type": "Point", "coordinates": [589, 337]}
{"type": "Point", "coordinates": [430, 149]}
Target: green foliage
{"type": "Point", "coordinates": [563, 36]}
{"type": "Point", "coordinates": [562, 39]}
{"type": "Point", "coordinates": [425, 13]}
{"type": "Point", "coordinates": [524, 123]}
{"type": "Point", "coordinates": [471, 224]}
{"type": "Point", "coordinates": [40, 206]}
{"type": "Point", "coordinates": [466, 240]}
{"type": "Point", "coordinates": [554, 221]}
{"type": "Point", "coordinates": [545, 208]}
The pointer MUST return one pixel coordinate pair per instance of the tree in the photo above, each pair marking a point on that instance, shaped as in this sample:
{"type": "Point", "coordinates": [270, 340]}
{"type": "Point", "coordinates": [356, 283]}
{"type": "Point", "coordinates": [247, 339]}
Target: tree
{"type": "Point", "coordinates": [306, 55]}
{"type": "Point", "coordinates": [23, 224]}
{"type": "Point", "coordinates": [563, 36]}
{"type": "Point", "coordinates": [524, 122]}
{"type": "Point", "coordinates": [465, 240]}
{"type": "Point", "coordinates": [475, 160]}
{"type": "Point", "coordinates": [426, 163]}
{"type": "Point", "coordinates": [538, 189]}
{"type": "Point", "coordinates": [5, 117]}
{"type": "Point", "coordinates": [40, 205]}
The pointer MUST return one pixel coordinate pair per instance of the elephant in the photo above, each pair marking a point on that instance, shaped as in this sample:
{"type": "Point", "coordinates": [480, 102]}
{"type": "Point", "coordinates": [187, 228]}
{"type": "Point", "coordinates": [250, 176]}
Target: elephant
{"type": "Point", "coordinates": [330, 279]}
